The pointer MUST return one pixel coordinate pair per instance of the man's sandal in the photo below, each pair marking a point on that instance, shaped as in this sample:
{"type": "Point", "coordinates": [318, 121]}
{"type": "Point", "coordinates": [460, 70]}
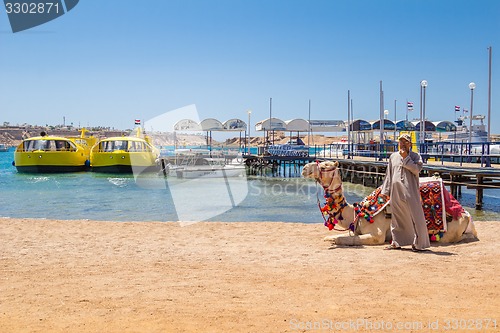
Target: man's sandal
{"type": "Point", "coordinates": [392, 247]}
{"type": "Point", "coordinates": [415, 249]}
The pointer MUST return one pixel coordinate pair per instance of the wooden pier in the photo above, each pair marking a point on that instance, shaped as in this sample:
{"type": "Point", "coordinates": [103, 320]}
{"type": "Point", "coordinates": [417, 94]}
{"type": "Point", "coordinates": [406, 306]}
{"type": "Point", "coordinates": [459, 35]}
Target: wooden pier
{"type": "Point", "coordinates": [371, 173]}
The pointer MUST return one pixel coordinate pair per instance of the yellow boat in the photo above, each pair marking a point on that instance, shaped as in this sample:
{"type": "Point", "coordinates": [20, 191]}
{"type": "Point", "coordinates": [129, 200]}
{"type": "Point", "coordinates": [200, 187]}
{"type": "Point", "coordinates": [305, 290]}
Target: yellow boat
{"type": "Point", "coordinates": [124, 154]}
{"type": "Point", "coordinates": [50, 154]}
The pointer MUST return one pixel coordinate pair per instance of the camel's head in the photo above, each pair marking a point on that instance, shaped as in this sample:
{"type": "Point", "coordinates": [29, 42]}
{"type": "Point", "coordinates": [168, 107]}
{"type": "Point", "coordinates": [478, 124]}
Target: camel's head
{"type": "Point", "coordinates": [326, 173]}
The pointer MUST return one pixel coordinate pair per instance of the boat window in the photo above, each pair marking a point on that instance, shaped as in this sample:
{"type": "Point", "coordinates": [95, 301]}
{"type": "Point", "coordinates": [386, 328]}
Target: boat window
{"type": "Point", "coordinates": [136, 146]}
{"type": "Point", "coordinates": [62, 145]}
{"type": "Point", "coordinates": [50, 145]}
{"type": "Point", "coordinates": [133, 146]}
{"type": "Point", "coordinates": [109, 146]}
{"type": "Point", "coordinates": [120, 145]}
{"type": "Point", "coordinates": [29, 145]}
{"type": "Point", "coordinates": [106, 146]}
{"type": "Point", "coordinates": [72, 146]}
{"type": "Point", "coordinates": [39, 145]}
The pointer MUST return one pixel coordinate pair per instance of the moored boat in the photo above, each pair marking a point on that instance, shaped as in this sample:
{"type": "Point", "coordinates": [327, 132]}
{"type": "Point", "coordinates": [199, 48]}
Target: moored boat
{"type": "Point", "coordinates": [49, 154]}
{"type": "Point", "coordinates": [210, 168]}
{"type": "Point", "coordinates": [203, 163]}
{"type": "Point", "coordinates": [125, 154]}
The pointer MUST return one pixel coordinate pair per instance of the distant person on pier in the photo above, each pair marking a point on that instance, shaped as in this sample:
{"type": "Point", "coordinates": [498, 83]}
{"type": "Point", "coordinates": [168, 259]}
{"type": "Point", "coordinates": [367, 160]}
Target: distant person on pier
{"type": "Point", "coordinates": [401, 183]}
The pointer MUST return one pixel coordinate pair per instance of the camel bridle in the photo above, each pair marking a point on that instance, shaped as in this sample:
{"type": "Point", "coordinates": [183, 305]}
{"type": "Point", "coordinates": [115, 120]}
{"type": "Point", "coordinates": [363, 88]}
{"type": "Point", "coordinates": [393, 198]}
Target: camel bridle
{"type": "Point", "coordinates": [320, 178]}
{"type": "Point", "coordinates": [339, 201]}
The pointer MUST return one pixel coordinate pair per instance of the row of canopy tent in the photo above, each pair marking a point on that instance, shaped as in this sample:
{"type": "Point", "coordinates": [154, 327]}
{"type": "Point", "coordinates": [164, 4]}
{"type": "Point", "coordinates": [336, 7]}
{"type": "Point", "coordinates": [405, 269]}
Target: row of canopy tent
{"type": "Point", "coordinates": [273, 124]}
{"type": "Point", "coordinates": [302, 125]}
{"type": "Point", "coordinates": [404, 125]}
{"type": "Point", "coordinates": [211, 124]}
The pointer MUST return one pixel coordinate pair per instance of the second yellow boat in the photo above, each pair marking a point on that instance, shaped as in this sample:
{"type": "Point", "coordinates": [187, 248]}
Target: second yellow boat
{"type": "Point", "coordinates": [125, 154]}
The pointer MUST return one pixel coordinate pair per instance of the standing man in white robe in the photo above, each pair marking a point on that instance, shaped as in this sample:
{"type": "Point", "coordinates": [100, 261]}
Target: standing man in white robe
{"type": "Point", "coordinates": [401, 183]}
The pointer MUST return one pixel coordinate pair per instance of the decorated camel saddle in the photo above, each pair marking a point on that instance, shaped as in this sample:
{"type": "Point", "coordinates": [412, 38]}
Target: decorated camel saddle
{"type": "Point", "coordinates": [438, 204]}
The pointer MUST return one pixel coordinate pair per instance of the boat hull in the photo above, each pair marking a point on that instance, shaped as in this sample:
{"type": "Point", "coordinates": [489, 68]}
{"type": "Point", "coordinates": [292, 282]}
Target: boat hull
{"type": "Point", "coordinates": [50, 162]}
{"type": "Point", "coordinates": [51, 168]}
{"type": "Point", "coordinates": [122, 168]}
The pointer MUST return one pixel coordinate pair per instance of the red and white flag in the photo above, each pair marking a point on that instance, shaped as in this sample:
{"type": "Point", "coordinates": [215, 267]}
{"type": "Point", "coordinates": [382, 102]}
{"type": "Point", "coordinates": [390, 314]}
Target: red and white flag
{"type": "Point", "coordinates": [137, 121]}
{"type": "Point", "coordinates": [457, 108]}
{"type": "Point", "coordinates": [409, 105]}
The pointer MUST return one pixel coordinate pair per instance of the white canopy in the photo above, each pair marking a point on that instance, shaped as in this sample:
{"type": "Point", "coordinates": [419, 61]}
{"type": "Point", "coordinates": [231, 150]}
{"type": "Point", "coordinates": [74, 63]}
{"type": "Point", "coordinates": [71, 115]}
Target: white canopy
{"type": "Point", "coordinates": [271, 124]}
{"type": "Point", "coordinates": [210, 124]}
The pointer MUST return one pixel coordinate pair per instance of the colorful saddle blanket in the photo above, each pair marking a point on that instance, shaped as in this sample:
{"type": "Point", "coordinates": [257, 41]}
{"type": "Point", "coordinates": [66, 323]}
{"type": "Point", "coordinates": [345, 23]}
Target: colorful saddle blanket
{"type": "Point", "coordinates": [432, 198]}
{"type": "Point", "coordinates": [436, 203]}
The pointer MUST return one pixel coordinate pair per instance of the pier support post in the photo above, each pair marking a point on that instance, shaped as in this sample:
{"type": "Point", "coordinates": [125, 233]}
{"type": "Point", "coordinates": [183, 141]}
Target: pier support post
{"type": "Point", "coordinates": [479, 193]}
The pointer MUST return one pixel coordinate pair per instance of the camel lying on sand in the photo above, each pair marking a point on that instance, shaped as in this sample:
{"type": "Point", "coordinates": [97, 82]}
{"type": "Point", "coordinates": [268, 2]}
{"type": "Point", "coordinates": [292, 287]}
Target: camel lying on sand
{"type": "Point", "coordinates": [376, 230]}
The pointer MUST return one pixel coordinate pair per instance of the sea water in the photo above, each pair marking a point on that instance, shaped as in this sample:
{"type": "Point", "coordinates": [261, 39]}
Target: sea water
{"type": "Point", "coordinates": [113, 197]}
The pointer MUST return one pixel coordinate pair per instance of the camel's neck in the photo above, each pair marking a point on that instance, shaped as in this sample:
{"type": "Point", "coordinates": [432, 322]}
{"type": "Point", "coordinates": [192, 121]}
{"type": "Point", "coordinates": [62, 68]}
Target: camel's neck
{"type": "Point", "coordinates": [342, 211]}
{"type": "Point", "coordinates": [347, 214]}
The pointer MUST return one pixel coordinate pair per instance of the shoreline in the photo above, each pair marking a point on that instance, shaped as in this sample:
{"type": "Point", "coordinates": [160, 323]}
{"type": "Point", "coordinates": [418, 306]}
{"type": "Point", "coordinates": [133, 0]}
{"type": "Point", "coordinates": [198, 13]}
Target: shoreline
{"type": "Point", "coordinates": [89, 276]}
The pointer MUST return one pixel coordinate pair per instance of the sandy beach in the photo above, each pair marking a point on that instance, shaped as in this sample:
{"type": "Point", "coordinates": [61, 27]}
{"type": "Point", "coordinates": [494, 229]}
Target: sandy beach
{"type": "Point", "coordinates": [87, 276]}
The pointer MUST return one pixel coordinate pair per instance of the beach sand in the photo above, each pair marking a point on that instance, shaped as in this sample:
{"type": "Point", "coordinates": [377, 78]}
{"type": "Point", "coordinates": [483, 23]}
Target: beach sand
{"type": "Point", "coordinates": [87, 276]}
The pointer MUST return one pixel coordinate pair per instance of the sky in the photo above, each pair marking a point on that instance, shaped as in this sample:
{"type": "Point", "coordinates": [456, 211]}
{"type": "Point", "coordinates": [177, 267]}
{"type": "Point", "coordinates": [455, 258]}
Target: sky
{"type": "Point", "coordinates": [107, 63]}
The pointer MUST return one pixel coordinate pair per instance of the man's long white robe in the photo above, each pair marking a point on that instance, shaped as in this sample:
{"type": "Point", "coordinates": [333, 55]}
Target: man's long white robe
{"type": "Point", "coordinates": [408, 224]}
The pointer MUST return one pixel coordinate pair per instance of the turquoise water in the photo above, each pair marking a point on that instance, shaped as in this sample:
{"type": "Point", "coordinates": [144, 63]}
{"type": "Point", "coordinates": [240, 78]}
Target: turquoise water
{"type": "Point", "coordinates": [105, 197]}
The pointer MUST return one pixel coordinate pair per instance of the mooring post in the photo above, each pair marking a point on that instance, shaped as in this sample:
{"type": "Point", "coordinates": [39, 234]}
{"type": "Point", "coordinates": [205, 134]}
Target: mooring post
{"type": "Point", "coordinates": [479, 193]}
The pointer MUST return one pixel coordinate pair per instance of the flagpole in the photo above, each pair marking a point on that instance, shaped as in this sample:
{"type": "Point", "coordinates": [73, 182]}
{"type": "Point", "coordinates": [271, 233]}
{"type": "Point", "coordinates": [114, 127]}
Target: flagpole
{"type": "Point", "coordinates": [406, 110]}
{"type": "Point", "coordinates": [489, 94]}
{"type": "Point", "coordinates": [309, 124]}
{"type": "Point", "coordinates": [352, 131]}
{"type": "Point", "coordinates": [348, 123]}
{"type": "Point", "coordinates": [488, 162]}
{"type": "Point", "coordinates": [381, 120]}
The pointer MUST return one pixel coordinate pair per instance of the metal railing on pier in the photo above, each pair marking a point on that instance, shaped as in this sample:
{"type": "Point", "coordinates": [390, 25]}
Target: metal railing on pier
{"type": "Point", "coordinates": [485, 154]}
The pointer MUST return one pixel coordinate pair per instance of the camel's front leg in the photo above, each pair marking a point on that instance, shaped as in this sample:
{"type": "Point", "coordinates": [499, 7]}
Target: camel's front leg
{"type": "Point", "coordinates": [356, 240]}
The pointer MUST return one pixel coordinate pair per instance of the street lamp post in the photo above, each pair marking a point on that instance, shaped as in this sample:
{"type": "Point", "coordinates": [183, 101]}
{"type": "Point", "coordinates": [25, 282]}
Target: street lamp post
{"type": "Point", "coordinates": [381, 115]}
{"type": "Point", "coordinates": [423, 85]}
{"type": "Point", "coordinates": [248, 145]}
{"type": "Point", "coordinates": [349, 120]}
{"type": "Point", "coordinates": [489, 95]}
{"type": "Point", "coordinates": [472, 86]}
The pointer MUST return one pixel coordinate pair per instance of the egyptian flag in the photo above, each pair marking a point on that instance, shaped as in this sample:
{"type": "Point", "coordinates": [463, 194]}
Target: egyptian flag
{"type": "Point", "coordinates": [457, 108]}
{"type": "Point", "coordinates": [137, 121]}
{"type": "Point", "coordinates": [409, 105]}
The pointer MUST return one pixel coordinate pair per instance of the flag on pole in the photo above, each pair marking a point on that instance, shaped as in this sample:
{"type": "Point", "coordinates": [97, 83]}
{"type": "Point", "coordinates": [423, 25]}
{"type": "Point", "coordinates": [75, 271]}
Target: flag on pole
{"type": "Point", "coordinates": [465, 110]}
{"type": "Point", "coordinates": [137, 121]}
{"type": "Point", "coordinates": [457, 108]}
{"type": "Point", "coordinates": [409, 105]}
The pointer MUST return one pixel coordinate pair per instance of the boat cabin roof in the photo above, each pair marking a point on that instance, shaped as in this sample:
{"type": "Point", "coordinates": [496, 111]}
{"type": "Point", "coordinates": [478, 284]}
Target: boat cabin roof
{"type": "Point", "coordinates": [48, 137]}
{"type": "Point", "coordinates": [124, 138]}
